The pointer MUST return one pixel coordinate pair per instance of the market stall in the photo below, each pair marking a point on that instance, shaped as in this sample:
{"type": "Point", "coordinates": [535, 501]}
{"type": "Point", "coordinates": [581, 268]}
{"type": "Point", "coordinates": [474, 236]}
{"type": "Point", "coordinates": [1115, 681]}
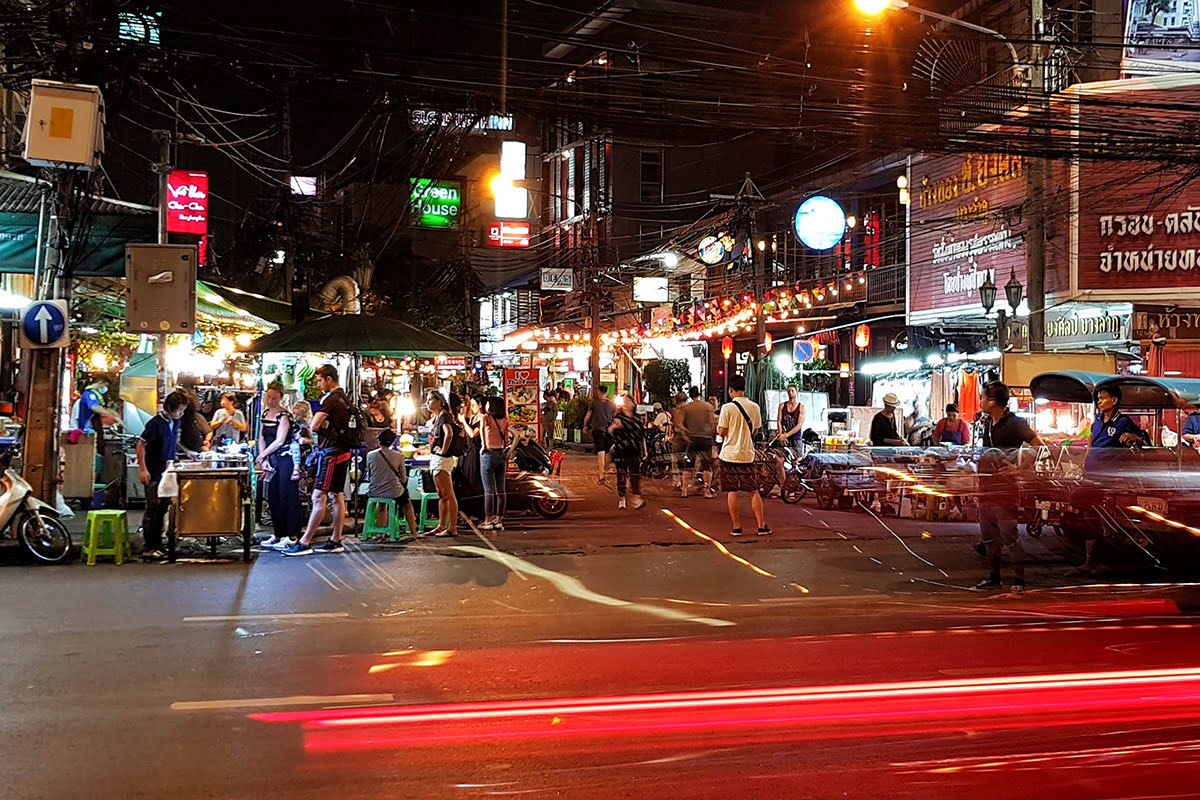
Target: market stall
{"type": "Point", "coordinates": [213, 501]}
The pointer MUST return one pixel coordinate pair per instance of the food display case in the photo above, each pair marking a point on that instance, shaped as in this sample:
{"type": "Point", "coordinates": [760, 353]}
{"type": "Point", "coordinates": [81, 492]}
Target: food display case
{"type": "Point", "coordinates": [214, 501]}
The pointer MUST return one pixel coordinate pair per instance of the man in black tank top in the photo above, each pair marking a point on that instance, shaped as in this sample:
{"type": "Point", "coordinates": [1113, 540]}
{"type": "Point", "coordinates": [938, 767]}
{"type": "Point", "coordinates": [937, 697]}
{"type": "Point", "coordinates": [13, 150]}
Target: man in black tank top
{"type": "Point", "coordinates": [791, 425]}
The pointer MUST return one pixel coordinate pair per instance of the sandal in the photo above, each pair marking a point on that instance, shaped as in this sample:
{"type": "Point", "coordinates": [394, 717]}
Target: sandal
{"type": "Point", "coordinates": [445, 533]}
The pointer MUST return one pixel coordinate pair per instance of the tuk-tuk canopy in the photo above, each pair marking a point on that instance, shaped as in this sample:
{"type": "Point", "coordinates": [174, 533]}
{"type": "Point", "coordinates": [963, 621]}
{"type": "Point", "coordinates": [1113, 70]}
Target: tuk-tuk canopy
{"type": "Point", "coordinates": [1068, 385]}
{"type": "Point", "coordinates": [1137, 391]}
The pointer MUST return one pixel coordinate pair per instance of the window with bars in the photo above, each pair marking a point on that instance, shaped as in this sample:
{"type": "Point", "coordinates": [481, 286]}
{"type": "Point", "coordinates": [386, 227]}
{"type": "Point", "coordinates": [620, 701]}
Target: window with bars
{"type": "Point", "coordinates": [651, 173]}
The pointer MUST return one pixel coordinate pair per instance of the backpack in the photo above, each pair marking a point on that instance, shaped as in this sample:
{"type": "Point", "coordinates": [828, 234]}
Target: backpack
{"type": "Point", "coordinates": [351, 437]}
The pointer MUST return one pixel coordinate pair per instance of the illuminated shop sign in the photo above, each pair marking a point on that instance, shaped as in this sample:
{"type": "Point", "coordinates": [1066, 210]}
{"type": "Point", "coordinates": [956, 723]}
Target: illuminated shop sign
{"type": "Point", "coordinates": [187, 202]}
{"type": "Point", "coordinates": [508, 234]}
{"type": "Point", "coordinates": [436, 204]}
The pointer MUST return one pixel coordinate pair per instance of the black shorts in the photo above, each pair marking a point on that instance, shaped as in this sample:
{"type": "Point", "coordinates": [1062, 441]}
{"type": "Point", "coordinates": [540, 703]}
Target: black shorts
{"type": "Point", "coordinates": [602, 440]}
{"type": "Point", "coordinates": [700, 452]}
{"type": "Point", "coordinates": [332, 468]}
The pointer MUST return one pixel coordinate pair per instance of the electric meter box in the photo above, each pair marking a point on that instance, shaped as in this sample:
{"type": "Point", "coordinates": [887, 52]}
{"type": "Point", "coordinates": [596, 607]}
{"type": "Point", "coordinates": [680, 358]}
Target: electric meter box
{"type": "Point", "coordinates": [64, 126]}
{"type": "Point", "coordinates": [162, 288]}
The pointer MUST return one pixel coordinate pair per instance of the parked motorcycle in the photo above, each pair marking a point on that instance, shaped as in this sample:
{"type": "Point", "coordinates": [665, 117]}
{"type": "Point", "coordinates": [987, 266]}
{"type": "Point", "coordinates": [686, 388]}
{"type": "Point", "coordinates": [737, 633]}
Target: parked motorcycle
{"type": "Point", "coordinates": [34, 523]}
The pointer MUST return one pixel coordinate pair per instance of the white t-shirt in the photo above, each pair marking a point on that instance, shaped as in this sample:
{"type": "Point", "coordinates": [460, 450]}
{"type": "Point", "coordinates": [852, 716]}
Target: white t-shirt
{"type": "Point", "coordinates": [738, 446]}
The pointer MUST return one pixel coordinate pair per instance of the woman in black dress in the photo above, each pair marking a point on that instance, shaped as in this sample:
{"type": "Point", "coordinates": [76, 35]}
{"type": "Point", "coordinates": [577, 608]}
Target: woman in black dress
{"type": "Point", "coordinates": [470, 477]}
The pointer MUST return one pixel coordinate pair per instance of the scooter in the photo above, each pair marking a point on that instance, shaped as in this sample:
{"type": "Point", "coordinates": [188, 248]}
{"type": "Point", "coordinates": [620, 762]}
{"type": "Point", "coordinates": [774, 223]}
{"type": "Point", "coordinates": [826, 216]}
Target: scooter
{"type": "Point", "coordinates": [35, 523]}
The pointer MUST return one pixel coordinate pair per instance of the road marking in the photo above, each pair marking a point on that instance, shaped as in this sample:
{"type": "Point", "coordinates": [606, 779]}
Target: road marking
{"type": "Point", "coordinates": [239, 617]}
{"type": "Point", "coordinates": [283, 702]}
{"type": "Point", "coordinates": [575, 588]}
{"type": "Point", "coordinates": [725, 550]}
{"type": "Point", "coordinates": [322, 577]}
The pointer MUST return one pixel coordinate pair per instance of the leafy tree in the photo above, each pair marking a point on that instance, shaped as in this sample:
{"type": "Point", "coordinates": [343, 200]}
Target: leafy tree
{"type": "Point", "coordinates": [665, 377]}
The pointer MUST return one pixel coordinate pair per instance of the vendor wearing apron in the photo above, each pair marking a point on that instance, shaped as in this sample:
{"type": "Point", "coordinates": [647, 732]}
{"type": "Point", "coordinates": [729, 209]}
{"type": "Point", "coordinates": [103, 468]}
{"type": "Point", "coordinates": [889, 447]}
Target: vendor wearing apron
{"type": "Point", "coordinates": [952, 429]}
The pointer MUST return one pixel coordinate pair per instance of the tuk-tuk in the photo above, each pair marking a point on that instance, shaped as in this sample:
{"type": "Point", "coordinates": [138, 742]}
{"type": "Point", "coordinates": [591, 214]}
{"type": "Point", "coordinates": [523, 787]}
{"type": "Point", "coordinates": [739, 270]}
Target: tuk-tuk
{"type": "Point", "coordinates": [1142, 499]}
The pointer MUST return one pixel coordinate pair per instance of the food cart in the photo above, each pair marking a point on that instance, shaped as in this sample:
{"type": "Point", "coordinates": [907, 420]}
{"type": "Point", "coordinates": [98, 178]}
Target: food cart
{"type": "Point", "coordinates": [1142, 500]}
{"type": "Point", "coordinates": [213, 501]}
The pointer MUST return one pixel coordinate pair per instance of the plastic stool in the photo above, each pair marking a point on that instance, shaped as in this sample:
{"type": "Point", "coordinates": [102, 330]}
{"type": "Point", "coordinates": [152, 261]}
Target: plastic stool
{"type": "Point", "coordinates": [423, 517]}
{"type": "Point", "coordinates": [106, 533]}
{"type": "Point", "coordinates": [371, 526]}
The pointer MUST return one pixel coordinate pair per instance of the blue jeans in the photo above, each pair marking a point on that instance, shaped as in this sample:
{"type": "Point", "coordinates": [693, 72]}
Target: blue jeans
{"type": "Point", "coordinates": [492, 464]}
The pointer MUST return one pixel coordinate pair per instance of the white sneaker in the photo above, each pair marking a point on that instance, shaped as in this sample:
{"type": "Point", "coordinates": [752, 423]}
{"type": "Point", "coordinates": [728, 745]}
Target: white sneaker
{"type": "Point", "coordinates": [268, 544]}
{"type": "Point", "coordinates": [638, 501]}
{"type": "Point", "coordinates": [283, 544]}
{"type": "Point", "coordinates": [620, 502]}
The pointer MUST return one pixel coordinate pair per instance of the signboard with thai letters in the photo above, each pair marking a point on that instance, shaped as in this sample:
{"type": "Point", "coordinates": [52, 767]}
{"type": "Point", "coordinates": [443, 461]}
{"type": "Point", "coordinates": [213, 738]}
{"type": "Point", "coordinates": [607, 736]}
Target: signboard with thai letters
{"type": "Point", "coordinates": [1136, 227]}
{"type": "Point", "coordinates": [967, 225]}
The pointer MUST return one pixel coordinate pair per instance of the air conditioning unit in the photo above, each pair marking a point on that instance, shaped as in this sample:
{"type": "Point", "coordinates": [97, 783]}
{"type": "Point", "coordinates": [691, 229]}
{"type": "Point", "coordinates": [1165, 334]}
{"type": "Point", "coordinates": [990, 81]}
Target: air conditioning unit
{"type": "Point", "coordinates": [64, 126]}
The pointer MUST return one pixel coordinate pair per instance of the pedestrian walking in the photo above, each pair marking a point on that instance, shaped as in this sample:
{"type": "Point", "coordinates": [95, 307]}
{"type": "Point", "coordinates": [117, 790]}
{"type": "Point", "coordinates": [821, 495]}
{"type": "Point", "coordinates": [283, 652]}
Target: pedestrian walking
{"type": "Point", "coordinates": [1004, 434]}
{"type": "Point", "coordinates": [740, 419]}
{"type": "Point", "coordinates": [598, 420]}
{"type": "Point", "coordinates": [549, 417]}
{"type": "Point", "coordinates": [156, 448]}
{"type": "Point", "coordinates": [332, 425]}
{"type": "Point", "coordinates": [628, 449]}
{"type": "Point", "coordinates": [494, 463]}
{"type": "Point", "coordinates": [698, 430]}
{"type": "Point", "coordinates": [275, 434]}
{"type": "Point", "coordinates": [791, 426]}
{"type": "Point", "coordinates": [387, 477]}
{"type": "Point", "coordinates": [442, 462]}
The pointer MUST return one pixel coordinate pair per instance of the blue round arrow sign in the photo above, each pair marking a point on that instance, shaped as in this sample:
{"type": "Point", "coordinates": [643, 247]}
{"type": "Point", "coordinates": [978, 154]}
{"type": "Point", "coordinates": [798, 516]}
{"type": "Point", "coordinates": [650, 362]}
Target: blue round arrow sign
{"type": "Point", "coordinates": [44, 323]}
{"type": "Point", "coordinates": [802, 350]}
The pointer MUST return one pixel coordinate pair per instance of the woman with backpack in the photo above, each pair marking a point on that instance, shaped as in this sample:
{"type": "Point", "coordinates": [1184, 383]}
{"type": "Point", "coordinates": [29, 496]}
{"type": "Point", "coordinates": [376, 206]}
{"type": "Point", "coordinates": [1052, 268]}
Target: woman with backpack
{"type": "Point", "coordinates": [442, 447]}
{"type": "Point", "coordinates": [494, 463]}
{"type": "Point", "coordinates": [628, 447]}
{"type": "Point", "coordinates": [275, 434]}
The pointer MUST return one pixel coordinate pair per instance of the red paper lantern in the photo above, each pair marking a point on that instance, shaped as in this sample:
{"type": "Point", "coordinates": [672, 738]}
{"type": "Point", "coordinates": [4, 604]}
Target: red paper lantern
{"type": "Point", "coordinates": [768, 342]}
{"type": "Point", "coordinates": [727, 347]}
{"type": "Point", "coordinates": [862, 337]}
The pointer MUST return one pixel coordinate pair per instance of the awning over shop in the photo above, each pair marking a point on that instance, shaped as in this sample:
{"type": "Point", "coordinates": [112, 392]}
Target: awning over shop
{"type": "Point", "coordinates": [367, 335]}
{"type": "Point", "coordinates": [276, 311]}
{"type": "Point", "coordinates": [215, 305]}
{"type": "Point", "coordinates": [112, 225]}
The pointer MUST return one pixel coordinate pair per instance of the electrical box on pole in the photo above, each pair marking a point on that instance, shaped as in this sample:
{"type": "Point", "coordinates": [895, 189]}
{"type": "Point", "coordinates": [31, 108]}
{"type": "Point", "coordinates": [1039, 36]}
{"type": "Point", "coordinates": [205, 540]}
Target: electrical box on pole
{"type": "Point", "coordinates": [64, 126]}
{"type": "Point", "coordinates": [162, 288]}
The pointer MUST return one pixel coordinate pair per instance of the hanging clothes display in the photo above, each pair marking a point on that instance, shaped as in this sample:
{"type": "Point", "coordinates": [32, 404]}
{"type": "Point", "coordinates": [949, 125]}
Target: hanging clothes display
{"type": "Point", "coordinates": [968, 394]}
{"type": "Point", "coordinates": [941, 392]}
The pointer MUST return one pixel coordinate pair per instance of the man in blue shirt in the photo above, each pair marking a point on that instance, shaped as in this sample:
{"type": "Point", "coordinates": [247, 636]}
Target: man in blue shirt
{"type": "Point", "coordinates": [156, 447]}
{"type": "Point", "coordinates": [91, 405]}
{"type": "Point", "coordinates": [1111, 429]}
{"type": "Point", "coordinates": [1191, 428]}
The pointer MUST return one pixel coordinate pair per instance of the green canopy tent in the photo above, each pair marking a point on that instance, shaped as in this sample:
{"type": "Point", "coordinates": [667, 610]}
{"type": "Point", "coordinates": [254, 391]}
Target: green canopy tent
{"type": "Point", "coordinates": [360, 335]}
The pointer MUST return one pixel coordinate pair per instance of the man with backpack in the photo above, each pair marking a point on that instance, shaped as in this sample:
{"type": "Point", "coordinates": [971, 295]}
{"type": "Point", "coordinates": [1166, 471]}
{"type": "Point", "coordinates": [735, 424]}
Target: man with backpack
{"type": "Point", "coordinates": [339, 430]}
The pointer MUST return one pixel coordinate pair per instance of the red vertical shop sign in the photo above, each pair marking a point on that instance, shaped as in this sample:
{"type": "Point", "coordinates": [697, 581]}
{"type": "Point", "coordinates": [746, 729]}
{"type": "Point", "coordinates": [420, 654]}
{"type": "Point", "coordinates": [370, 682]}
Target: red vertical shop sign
{"type": "Point", "coordinates": [522, 399]}
{"type": "Point", "coordinates": [187, 202]}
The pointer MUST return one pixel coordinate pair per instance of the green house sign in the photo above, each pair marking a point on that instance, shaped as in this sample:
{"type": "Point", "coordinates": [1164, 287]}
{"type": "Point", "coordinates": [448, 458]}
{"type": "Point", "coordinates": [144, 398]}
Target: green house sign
{"type": "Point", "coordinates": [436, 204]}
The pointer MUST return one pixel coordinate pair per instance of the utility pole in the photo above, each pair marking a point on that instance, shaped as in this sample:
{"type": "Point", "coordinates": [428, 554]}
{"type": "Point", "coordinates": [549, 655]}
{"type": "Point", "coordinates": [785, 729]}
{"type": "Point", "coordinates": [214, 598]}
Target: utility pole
{"type": "Point", "coordinates": [748, 199]}
{"type": "Point", "coordinates": [1035, 239]}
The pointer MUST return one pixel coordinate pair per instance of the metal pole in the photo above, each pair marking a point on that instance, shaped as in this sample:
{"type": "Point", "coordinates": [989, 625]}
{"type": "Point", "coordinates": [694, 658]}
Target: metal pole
{"type": "Point", "coordinates": [1035, 247]}
{"type": "Point", "coordinates": [503, 57]}
{"type": "Point", "coordinates": [41, 241]}
{"type": "Point", "coordinates": [164, 170]}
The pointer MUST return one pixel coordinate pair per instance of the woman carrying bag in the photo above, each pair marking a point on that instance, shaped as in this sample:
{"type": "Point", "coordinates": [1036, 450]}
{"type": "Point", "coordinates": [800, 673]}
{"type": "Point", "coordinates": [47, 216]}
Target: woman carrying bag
{"type": "Point", "coordinates": [493, 463]}
{"type": "Point", "coordinates": [275, 435]}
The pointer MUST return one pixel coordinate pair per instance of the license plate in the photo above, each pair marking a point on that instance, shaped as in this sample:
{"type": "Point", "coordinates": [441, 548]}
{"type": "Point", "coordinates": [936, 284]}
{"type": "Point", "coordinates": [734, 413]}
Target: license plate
{"type": "Point", "coordinates": [1156, 505]}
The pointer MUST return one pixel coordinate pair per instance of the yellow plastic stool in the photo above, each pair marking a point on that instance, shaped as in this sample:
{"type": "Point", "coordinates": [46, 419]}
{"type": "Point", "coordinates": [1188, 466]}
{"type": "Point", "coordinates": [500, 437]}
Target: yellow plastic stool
{"type": "Point", "coordinates": [371, 526]}
{"type": "Point", "coordinates": [106, 533]}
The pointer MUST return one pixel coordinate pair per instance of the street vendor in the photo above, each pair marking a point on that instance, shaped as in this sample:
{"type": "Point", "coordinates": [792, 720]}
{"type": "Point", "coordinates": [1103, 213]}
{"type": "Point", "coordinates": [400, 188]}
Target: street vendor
{"type": "Point", "coordinates": [884, 432]}
{"type": "Point", "coordinates": [1191, 427]}
{"type": "Point", "coordinates": [92, 409]}
{"type": "Point", "coordinates": [952, 429]}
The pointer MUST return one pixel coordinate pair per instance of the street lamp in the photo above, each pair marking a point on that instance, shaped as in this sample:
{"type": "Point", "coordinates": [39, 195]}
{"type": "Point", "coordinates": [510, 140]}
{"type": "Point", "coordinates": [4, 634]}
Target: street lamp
{"type": "Point", "coordinates": [1013, 291]}
{"type": "Point", "coordinates": [874, 8]}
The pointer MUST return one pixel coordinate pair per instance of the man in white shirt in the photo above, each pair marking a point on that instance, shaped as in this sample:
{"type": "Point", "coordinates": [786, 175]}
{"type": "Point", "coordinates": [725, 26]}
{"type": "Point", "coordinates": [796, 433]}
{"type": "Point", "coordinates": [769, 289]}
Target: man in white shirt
{"type": "Point", "coordinates": [740, 419]}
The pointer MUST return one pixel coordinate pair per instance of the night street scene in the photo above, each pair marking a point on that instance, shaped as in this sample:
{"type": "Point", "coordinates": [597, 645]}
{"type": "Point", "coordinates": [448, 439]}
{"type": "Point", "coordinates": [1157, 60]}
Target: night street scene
{"type": "Point", "coordinates": [646, 399]}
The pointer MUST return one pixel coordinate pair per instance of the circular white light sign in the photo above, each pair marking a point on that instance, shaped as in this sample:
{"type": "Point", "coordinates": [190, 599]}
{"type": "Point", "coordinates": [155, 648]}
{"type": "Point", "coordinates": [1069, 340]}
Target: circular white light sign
{"type": "Point", "coordinates": [820, 222]}
{"type": "Point", "coordinates": [712, 250]}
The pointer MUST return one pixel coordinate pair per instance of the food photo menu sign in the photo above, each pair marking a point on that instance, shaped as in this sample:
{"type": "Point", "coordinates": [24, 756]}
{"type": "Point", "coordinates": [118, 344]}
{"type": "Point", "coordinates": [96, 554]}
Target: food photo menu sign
{"type": "Point", "coordinates": [522, 400]}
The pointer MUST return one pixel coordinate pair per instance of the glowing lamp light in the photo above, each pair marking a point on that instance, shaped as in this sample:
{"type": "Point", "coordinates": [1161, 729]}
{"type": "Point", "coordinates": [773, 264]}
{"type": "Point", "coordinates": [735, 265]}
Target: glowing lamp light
{"type": "Point", "coordinates": [768, 342]}
{"type": "Point", "coordinates": [872, 7]}
{"type": "Point", "coordinates": [862, 337]}
{"type": "Point", "coordinates": [844, 370]}
{"type": "Point", "coordinates": [820, 222]}
{"type": "Point", "coordinates": [727, 347]}
{"type": "Point", "coordinates": [98, 361]}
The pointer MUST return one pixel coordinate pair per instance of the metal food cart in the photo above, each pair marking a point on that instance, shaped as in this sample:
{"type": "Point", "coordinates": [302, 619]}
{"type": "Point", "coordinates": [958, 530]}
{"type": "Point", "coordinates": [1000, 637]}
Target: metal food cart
{"type": "Point", "coordinates": [214, 501]}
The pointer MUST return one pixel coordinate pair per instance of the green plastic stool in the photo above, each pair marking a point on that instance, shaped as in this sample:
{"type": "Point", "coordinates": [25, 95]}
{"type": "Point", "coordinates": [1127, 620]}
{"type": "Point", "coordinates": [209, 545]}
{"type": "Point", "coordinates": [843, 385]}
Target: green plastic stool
{"type": "Point", "coordinates": [371, 527]}
{"type": "Point", "coordinates": [423, 516]}
{"type": "Point", "coordinates": [106, 533]}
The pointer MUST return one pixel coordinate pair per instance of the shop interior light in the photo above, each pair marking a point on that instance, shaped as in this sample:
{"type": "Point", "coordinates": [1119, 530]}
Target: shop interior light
{"type": "Point", "coordinates": [783, 362]}
{"type": "Point", "coordinates": [934, 360]}
{"type": "Point", "coordinates": [12, 302]}
{"type": "Point", "coordinates": [889, 365]}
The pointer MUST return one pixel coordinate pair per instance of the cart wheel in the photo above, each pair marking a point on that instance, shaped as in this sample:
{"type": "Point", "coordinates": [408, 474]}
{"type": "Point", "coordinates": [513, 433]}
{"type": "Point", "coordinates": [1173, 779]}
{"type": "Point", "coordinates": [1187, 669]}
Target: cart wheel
{"type": "Point", "coordinates": [1034, 529]}
{"type": "Point", "coordinates": [793, 490]}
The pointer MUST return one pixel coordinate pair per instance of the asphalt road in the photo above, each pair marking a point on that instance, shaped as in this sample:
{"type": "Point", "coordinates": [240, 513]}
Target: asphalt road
{"type": "Point", "coordinates": [607, 654]}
